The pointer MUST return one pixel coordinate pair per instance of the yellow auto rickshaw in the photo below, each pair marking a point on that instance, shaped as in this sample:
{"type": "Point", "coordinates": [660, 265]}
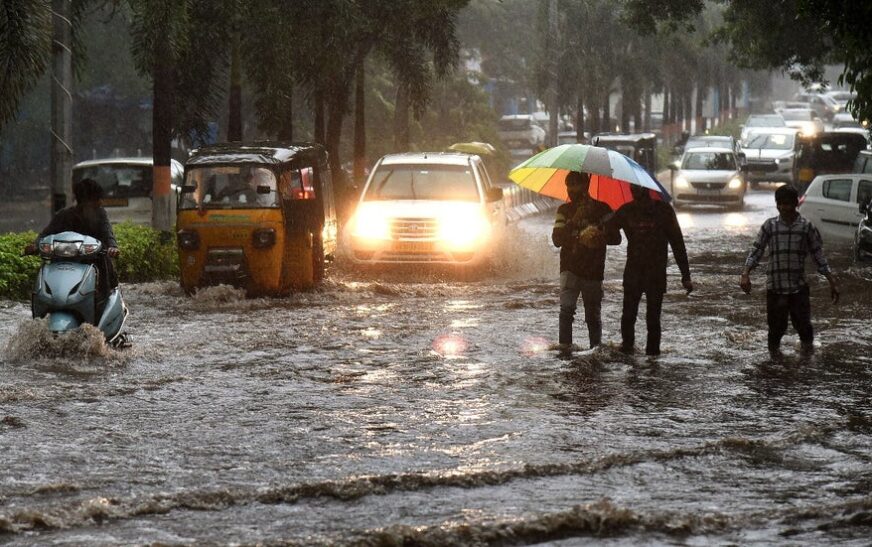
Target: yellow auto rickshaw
{"type": "Point", "coordinates": [259, 216]}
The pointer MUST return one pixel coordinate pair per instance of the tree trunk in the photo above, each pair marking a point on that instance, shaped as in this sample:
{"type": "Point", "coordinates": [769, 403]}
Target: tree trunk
{"type": "Point", "coordinates": [595, 118]}
{"type": "Point", "coordinates": [626, 100]}
{"type": "Point", "coordinates": [667, 114]}
{"type": "Point", "coordinates": [688, 110]}
{"type": "Point", "coordinates": [319, 117]}
{"type": "Point", "coordinates": [162, 134]}
{"type": "Point", "coordinates": [401, 119]}
{"type": "Point", "coordinates": [234, 122]}
{"type": "Point", "coordinates": [286, 130]}
{"type": "Point", "coordinates": [61, 106]}
{"type": "Point", "coordinates": [579, 117]}
{"type": "Point", "coordinates": [646, 123]}
{"type": "Point", "coordinates": [359, 126]}
{"type": "Point", "coordinates": [700, 123]}
{"type": "Point", "coordinates": [607, 115]}
{"type": "Point", "coordinates": [637, 109]}
{"type": "Point", "coordinates": [733, 113]}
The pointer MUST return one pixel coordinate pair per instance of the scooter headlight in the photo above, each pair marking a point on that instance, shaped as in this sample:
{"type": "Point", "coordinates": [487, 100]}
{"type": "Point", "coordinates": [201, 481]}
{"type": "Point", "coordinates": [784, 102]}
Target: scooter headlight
{"type": "Point", "coordinates": [66, 249]}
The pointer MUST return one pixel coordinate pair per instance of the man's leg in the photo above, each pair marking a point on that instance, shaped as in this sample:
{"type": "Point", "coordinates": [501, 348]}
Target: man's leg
{"type": "Point", "coordinates": [632, 295]}
{"type": "Point", "coordinates": [592, 296]}
{"type": "Point", "coordinates": [653, 307]}
{"type": "Point", "coordinates": [776, 317]}
{"type": "Point", "coordinates": [569, 291]}
{"type": "Point", "coordinates": [799, 307]}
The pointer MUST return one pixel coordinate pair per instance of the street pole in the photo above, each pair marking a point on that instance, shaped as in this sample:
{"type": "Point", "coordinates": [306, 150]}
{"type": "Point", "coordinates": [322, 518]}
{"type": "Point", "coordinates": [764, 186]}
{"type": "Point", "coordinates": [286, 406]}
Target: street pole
{"type": "Point", "coordinates": [552, 52]}
{"type": "Point", "coordinates": [61, 106]}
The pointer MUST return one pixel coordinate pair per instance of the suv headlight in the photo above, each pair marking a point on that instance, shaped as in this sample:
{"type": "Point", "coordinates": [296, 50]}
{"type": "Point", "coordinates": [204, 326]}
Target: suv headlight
{"type": "Point", "coordinates": [735, 183]}
{"type": "Point", "coordinates": [371, 223]}
{"type": "Point", "coordinates": [464, 230]}
{"type": "Point", "coordinates": [681, 182]}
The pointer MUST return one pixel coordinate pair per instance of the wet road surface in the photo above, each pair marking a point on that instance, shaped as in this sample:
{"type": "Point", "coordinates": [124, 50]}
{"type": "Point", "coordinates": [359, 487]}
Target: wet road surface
{"type": "Point", "coordinates": [398, 407]}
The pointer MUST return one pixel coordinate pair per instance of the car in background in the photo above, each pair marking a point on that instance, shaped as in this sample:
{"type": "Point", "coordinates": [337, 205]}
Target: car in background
{"type": "Point", "coordinates": [708, 175]}
{"type": "Point", "coordinates": [863, 237]}
{"type": "Point", "coordinates": [844, 120]}
{"type": "Point", "coordinates": [427, 209]}
{"type": "Point", "coordinates": [760, 120]}
{"type": "Point", "coordinates": [715, 141]}
{"type": "Point", "coordinates": [127, 185]}
{"type": "Point", "coordinates": [521, 132]}
{"type": "Point", "coordinates": [832, 202]}
{"type": "Point", "coordinates": [778, 106]}
{"type": "Point", "coordinates": [769, 154]}
{"type": "Point", "coordinates": [826, 153]}
{"type": "Point", "coordinates": [805, 120]}
{"type": "Point", "coordinates": [841, 97]}
{"type": "Point", "coordinates": [863, 163]}
{"type": "Point", "coordinates": [824, 106]}
{"type": "Point", "coordinates": [571, 137]}
{"type": "Point", "coordinates": [640, 147]}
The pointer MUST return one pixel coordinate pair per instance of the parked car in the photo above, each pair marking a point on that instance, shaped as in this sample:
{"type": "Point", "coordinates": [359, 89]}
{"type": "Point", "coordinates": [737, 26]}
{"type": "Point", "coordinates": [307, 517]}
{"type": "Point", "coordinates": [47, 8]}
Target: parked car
{"type": "Point", "coordinates": [521, 131]}
{"type": "Point", "coordinates": [824, 106]}
{"type": "Point", "coordinates": [427, 208]}
{"type": "Point", "coordinates": [708, 175]}
{"type": "Point", "coordinates": [127, 185]}
{"type": "Point", "coordinates": [863, 162]}
{"type": "Point", "coordinates": [825, 153]}
{"type": "Point", "coordinates": [760, 120]}
{"type": "Point", "coordinates": [571, 137]}
{"type": "Point", "coordinates": [841, 97]}
{"type": "Point", "coordinates": [770, 153]}
{"type": "Point", "coordinates": [845, 119]}
{"type": "Point", "coordinates": [832, 202]}
{"type": "Point", "coordinates": [804, 119]}
{"type": "Point", "coordinates": [778, 106]}
{"type": "Point", "coordinates": [863, 237]}
{"type": "Point", "coordinates": [640, 147]}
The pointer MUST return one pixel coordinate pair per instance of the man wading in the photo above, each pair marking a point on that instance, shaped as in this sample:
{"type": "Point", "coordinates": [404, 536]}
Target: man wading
{"type": "Point", "coordinates": [790, 238]}
{"type": "Point", "coordinates": [578, 231]}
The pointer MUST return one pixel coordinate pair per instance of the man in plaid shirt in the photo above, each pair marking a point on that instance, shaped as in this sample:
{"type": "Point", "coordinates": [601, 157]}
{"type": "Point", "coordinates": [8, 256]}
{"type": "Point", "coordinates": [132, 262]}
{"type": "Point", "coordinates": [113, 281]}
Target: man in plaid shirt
{"type": "Point", "coordinates": [790, 238]}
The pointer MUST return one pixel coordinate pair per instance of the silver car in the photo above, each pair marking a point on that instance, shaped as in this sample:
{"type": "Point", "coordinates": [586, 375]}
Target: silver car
{"type": "Point", "coordinates": [770, 154]}
{"type": "Point", "coordinates": [708, 176]}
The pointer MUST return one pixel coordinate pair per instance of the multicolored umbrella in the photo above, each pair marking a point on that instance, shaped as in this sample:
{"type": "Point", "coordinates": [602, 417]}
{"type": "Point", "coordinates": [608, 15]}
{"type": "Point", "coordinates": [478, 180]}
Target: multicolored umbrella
{"type": "Point", "coordinates": [611, 174]}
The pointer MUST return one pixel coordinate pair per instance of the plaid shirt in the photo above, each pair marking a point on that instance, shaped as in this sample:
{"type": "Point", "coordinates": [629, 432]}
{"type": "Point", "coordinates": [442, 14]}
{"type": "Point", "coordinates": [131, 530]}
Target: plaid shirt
{"type": "Point", "coordinates": [788, 247]}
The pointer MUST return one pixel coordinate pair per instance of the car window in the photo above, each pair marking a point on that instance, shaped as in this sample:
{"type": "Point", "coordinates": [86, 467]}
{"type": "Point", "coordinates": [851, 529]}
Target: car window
{"type": "Point", "coordinates": [774, 141]}
{"type": "Point", "coordinates": [410, 181]}
{"type": "Point", "coordinates": [837, 189]}
{"type": "Point", "coordinates": [119, 180]}
{"type": "Point", "coordinates": [864, 191]}
{"type": "Point", "coordinates": [710, 161]}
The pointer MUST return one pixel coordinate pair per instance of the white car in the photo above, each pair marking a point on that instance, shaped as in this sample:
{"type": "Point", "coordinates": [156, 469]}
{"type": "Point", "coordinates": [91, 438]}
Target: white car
{"type": "Point", "coordinates": [708, 176]}
{"type": "Point", "coordinates": [520, 131]}
{"type": "Point", "coordinates": [127, 185]}
{"type": "Point", "coordinates": [805, 120]}
{"type": "Point", "coordinates": [755, 121]}
{"type": "Point", "coordinates": [770, 154]}
{"type": "Point", "coordinates": [427, 208]}
{"type": "Point", "coordinates": [832, 202]}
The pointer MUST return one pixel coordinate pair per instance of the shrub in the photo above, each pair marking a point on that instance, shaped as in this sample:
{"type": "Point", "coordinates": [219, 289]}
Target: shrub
{"type": "Point", "coordinates": [146, 255]}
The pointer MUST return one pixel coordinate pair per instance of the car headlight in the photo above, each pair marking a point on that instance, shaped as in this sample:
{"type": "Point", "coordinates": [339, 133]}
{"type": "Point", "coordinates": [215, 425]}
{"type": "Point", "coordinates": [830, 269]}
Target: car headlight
{"type": "Point", "coordinates": [681, 182]}
{"type": "Point", "coordinates": [808, 128]}
{"type": "Point", "coordinates": [463, 231]}
{"type": "Point", "coordinates": [371, 223]}
{"type": "Point", "coordinates": [735, 183]}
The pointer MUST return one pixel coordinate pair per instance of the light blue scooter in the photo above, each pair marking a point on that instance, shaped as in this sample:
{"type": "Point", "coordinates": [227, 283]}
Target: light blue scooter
{"type": "Point", "coordinates": [66, 288]}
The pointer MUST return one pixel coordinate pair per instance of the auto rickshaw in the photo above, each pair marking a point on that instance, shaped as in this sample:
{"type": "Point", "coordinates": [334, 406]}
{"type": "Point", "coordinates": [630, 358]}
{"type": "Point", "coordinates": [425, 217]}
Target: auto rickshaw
{"type": "Point", "coordinates": [258, 216]}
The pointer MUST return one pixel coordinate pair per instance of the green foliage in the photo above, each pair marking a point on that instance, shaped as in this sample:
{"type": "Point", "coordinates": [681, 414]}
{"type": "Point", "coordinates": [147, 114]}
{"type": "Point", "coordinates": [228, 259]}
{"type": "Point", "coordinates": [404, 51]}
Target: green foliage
{"type": "Point", "coordinates": [25, 37]}
{"type": "Point", "coordinates": [144, 257]}
{"type": "Point", "coordinates": [17, 273]}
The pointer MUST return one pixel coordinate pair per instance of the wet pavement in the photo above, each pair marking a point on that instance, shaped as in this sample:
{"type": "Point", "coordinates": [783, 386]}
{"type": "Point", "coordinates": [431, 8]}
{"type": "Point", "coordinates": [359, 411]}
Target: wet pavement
{"type": "Point", "coordinates": [415, 407]}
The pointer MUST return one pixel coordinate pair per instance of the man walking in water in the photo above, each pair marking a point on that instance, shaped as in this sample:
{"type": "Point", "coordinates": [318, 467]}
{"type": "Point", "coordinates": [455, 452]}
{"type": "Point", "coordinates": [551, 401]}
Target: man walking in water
{"type": "Point", "coordinates": [578, 231]}
{"type": "Point", "coordinates": [790, 238]}
{"type": "Point", "coordinates": [649, 226]}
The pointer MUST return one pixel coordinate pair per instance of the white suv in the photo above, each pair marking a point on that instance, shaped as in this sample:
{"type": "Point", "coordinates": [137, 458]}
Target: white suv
{"type": "Point", "coordinates": [521, 131]}
{"type": "Point", "coordinates": [427, 208]}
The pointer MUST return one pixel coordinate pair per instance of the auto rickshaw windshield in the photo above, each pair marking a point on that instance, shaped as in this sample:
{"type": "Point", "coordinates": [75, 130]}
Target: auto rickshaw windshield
{"type": "Point", "coordinates": [229, 187]}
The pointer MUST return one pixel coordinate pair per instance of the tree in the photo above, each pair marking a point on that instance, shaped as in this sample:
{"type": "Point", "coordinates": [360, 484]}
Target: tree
{"type": "Point", "coordinates": [25, 46]}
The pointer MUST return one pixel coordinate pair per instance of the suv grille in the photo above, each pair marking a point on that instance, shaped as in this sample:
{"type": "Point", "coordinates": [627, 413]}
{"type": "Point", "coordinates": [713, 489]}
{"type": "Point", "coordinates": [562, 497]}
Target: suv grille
{"type": "Point", "coordinates": [414, 228]}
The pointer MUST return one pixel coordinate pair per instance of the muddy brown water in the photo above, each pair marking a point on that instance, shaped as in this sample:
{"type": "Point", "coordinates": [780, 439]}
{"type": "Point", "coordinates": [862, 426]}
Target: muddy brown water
{"type": "Point", "coordinates": [390, 408]}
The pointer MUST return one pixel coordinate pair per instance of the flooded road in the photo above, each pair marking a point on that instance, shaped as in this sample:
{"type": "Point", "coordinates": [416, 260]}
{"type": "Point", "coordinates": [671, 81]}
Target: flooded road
{"type": "Point", "coordinates": [387, 409]}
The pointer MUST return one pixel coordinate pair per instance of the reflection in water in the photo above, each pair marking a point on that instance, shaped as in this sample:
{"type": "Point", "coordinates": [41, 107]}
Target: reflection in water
{"type": "Point", "coordinates": [450, 345]}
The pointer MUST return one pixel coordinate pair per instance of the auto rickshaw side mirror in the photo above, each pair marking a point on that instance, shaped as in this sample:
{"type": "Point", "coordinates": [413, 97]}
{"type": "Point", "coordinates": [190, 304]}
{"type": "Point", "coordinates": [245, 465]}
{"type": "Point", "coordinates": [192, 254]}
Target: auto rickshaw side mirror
{"type": "Point", "coordinates": [188, 189]}
{"type": "Point", "coordinates": [495, 194]}
{"type": "Point", "coordinates": [263, 189]}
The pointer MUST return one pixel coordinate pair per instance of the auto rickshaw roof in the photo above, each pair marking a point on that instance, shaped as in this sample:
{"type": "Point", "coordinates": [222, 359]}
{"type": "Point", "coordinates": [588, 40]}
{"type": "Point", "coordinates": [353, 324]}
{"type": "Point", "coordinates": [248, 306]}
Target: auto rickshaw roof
{"type": "Point", "coordinates": [623, 137]}
{"type": "Point", "coordinates": [268, 153]}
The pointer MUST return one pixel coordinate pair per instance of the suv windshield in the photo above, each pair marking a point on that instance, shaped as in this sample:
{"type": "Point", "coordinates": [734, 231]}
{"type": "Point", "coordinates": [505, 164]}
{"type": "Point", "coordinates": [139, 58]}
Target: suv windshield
{"type": "Point", "coordinates": [773, 141]}
{"type": "Point", "coordinates": [405, 181]}
{"type": "Point", "coordinates": [118, 180]}
{"type": "Point", "coordinates": [709, 161]}
{"type": "Point", "coordinates": [765, 121]}
{"type": "Point", "coordinates": [229, 187]}
{"type": "Point", "coordinates": [514, 124]}
{"type": "Point", "coordinates": [797, 115]}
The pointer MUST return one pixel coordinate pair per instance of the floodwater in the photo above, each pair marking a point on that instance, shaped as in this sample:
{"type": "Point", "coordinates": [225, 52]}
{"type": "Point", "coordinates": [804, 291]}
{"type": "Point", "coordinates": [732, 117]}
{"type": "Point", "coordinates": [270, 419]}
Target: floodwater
{"type": "Point", "coordinates": [402, 408]}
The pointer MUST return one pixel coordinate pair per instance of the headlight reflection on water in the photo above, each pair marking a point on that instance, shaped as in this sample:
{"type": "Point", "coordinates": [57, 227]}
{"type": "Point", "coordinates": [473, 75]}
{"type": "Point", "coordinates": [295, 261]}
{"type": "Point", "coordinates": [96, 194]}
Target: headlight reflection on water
{"type": "Point", "coordinates": [450, 345]}
{"type": "Point", "coordinates": [534, 346]}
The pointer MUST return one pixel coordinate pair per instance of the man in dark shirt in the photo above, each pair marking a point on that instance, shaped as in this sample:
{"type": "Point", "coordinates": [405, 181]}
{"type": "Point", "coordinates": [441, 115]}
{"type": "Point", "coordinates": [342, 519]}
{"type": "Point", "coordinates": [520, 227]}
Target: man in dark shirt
{"type": "Point", "coordinates": [649, 226]}
{"type": "Point", "coordinates": [88, 218]}
{"type": "Point", "coordinates": [579, 232]}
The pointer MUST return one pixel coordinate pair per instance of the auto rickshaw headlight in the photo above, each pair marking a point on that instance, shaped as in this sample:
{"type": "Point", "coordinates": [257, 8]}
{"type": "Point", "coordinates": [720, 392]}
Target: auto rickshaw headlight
{"type": "Point", "coordinates": [189, 240]}
{"type": "Point", "coordinates": [263, 238]}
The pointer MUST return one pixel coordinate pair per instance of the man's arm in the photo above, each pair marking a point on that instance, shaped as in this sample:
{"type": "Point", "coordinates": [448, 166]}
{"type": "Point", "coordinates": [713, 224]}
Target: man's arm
{"type": "Point", "coordinates": [612, 231]}
{"type": "Point", "coordinates": [816, 248]}
{"type": "Point", "coordinates": [562, 233]}
{"type": "Point", "coordinates": [676, 241]}
{"type": "Point", "coordinates": [754, 256]}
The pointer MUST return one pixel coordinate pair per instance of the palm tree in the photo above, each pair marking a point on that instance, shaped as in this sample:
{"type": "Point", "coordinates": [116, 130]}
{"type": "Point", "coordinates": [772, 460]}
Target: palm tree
{"type": "Point", "coordinates": [25, 48]}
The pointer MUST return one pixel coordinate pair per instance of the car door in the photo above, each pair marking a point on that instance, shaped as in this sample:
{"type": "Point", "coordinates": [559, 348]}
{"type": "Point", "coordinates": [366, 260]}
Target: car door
{"type": "Point", "coordinates": [836, 211]}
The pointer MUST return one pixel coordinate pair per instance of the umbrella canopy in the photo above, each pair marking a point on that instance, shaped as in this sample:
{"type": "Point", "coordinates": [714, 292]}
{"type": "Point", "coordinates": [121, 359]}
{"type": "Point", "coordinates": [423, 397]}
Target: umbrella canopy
{"type": "Point", "coordinates": [611, 174]}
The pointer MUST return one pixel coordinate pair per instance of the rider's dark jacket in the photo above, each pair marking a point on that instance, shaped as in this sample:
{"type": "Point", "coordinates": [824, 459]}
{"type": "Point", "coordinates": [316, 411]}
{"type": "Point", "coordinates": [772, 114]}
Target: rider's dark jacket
{"type": "Point", "coordinates": [72, 219]}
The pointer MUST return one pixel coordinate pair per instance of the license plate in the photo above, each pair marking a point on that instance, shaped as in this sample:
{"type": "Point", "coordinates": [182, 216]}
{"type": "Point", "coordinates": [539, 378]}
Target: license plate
{"type": "Point", "coordinates": [413, 246]}
{"type": "Point", "coordinates": [114, 202]}
{"type": "Point", "coordinates": [708, 192]}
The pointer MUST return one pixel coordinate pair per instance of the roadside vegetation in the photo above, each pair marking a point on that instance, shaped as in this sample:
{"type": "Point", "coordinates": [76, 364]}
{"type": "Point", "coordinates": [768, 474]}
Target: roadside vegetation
{"type": "Point", "coordinates": [145, 256]}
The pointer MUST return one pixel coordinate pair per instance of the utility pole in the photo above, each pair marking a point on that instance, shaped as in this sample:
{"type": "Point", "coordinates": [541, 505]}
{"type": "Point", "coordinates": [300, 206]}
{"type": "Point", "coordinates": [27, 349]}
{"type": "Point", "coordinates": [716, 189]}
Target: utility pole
{"type": "Point", "coordinates": [553, 41]}
{"type": "Point", "coordinates": [61, 105]}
